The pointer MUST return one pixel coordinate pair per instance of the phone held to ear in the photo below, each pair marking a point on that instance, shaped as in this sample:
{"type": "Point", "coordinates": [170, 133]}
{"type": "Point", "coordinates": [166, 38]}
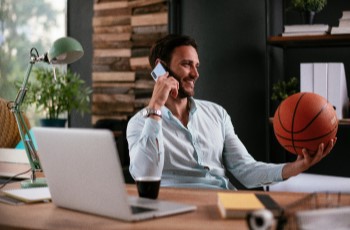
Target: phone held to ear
{"type": "Point", "coordinates": [158, 71]}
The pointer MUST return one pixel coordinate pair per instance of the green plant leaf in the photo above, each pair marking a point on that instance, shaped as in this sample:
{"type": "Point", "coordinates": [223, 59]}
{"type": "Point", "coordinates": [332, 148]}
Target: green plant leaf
{"type": "Point", "coordinates": [55, 97]}
{"type": "Point", "coordinates": [309, 5]}
{"type": "Point", "coordinates": [283, 89]}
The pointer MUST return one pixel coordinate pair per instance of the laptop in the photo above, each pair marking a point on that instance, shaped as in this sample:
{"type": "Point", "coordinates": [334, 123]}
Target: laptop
{"type": "Point", "coordinates": [83, 172]}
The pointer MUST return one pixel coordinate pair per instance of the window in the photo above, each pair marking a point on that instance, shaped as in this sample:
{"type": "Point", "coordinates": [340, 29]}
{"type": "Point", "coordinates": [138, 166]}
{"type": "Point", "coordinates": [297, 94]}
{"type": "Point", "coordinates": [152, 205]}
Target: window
{"type": "Point", "coordinates": [23, 25]}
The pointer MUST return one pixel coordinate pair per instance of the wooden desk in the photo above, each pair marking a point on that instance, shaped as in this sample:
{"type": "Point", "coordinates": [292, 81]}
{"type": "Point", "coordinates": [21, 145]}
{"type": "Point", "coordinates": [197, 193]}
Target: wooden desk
{"type": "Point", "coordinates": [10, 169]}
{"type": "Point", "coordinates": [48, 216]}
{"type": "Point", "coordinates": [12, 162]}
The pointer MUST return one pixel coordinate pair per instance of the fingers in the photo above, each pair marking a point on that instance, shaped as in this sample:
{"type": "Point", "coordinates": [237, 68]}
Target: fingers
{"type": "Point", "coordinates": [172, 85]}
{"type": "Point", "coordinates": [306, 156]}
{"type": "Point", "coordinates": [322, 149]}
{"type": "Point", "coordinates": [164, 87]}
{"type": "Point", "coordinates": [330, 146]}
{"type": "Point", "coordinates": [321, 152]}
{"type": "Point", "coordinates": [313, 159]}
{"type": "Point", "coordinates": [305, 160]}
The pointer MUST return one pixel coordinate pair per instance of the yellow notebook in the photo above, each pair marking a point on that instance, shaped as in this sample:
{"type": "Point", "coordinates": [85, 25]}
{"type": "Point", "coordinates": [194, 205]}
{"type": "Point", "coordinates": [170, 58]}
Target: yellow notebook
{"type": "Point", "coordinates": [238, 205]}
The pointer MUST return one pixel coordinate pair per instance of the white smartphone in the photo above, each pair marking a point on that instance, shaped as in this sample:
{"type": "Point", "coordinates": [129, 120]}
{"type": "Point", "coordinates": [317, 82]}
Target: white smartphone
{"type": "Point", "coordinates": [158, 71]}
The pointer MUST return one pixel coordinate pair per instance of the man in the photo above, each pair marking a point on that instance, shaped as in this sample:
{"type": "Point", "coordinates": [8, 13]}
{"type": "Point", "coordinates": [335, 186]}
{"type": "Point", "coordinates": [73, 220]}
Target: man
{"type": "Point", "coordinates": [190, 142]}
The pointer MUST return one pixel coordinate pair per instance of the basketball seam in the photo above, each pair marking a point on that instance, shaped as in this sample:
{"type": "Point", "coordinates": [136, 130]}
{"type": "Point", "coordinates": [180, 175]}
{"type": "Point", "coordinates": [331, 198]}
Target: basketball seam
{"type": "Point", "coordinates": [295, 109]}
{"type": "Point", "coordinates": [303, 129]}
{"type": "Point", "coordinates": [316, 116]}
{"type": "Point", "coordinates": [311, 139]}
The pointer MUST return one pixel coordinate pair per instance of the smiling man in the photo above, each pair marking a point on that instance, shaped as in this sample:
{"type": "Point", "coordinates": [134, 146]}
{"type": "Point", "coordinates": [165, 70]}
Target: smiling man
{"type": "Point", "coordinates": [190, 142]}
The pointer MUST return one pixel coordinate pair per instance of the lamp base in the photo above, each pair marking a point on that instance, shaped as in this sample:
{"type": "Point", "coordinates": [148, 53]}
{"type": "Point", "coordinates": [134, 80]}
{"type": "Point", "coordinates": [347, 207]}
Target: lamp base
{"type": "Point", "coordinates": [39, 182]}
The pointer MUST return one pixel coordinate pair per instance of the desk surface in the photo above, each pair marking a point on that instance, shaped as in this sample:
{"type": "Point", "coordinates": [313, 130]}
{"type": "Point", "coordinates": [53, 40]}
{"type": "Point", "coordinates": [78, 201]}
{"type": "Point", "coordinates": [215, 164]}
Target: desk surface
{"type": "Point", "coordinates": [10, 169]}
{"type": "Point", "coordinates": [13, 162]}
{"type": "Point", "coordinates": [207, 216]}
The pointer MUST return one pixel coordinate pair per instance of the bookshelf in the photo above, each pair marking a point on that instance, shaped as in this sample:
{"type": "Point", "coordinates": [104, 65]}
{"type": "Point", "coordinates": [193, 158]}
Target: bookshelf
{"type": "Point", "coordinates": [309, 41]}
{"type": "Point", "coordinates": [283, 58]}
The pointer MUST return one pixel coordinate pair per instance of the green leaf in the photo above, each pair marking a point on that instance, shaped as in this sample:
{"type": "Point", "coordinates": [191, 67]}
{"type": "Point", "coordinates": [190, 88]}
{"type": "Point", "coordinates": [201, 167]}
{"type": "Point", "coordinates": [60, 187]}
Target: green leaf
{"type": "Point", "coordinates": [309, 5]}
{"type": "Point", "coordinates": [55, 97]}
{"type": "Point", "coordinates": [283, 89]}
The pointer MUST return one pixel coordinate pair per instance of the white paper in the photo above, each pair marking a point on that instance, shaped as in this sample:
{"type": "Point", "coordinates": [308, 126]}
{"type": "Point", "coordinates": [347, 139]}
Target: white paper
{"type": "Point", "coordinates": [29, 194]}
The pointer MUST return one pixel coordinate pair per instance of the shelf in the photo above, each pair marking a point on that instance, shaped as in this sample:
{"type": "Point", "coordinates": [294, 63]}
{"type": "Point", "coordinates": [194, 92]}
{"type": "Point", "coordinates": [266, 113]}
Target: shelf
{"type": "Point", "coordinates": [310, 41]}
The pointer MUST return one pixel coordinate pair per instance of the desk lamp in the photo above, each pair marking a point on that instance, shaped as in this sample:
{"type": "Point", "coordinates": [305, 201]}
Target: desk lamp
{"type": "Point", "coordinates": [64, 50]}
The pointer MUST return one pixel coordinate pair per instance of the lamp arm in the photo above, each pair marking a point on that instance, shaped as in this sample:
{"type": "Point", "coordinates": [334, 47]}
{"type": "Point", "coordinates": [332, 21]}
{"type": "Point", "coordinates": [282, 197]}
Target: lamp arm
{"type": "Point", "coordinates": [15, 108]}
{"type": "Point", "coordinates": [27, 142]}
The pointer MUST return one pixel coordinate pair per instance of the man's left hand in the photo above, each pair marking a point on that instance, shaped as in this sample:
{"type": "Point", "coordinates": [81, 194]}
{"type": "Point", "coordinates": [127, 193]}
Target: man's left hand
{"type": "Point", "coordinates": [305, 161]}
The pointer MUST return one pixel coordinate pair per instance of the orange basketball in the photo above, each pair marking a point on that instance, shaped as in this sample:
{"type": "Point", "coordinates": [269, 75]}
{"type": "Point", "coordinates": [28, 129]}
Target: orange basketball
{"type": "Point", "coordinates": [305, 120]}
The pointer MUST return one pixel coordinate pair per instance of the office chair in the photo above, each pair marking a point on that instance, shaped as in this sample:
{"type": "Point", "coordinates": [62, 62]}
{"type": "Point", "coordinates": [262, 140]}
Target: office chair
{"type": "Point", "coordinates": [9, 135]}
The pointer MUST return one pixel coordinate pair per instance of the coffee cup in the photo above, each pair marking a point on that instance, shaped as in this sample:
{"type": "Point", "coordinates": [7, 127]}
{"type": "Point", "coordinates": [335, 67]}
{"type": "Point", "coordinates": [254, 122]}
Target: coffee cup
{"type": "Point", "coordinates": [148, 187]}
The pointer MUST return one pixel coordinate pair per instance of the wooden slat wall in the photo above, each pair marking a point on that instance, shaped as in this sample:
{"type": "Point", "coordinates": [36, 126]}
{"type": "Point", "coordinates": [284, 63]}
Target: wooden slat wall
{"type": "Point", "coordinates": [123, 32]}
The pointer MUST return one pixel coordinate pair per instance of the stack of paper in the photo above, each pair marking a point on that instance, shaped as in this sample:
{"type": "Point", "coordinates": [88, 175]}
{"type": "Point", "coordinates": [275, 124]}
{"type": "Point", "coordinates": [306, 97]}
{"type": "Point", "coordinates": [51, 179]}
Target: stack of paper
{"type": "Point", "coordinates": [29, 195]}
{"type": "Point", "coordinates": [344, 24]}
{"type": "Point", "coordinates": [303, 30]}
{"type": "Point", "coordinates": [327, 80]}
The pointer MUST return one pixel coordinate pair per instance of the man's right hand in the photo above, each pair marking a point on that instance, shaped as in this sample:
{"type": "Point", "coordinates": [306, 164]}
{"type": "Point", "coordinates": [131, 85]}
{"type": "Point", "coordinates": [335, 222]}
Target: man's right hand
{"type": "Point", "coordinates": [165, 86]}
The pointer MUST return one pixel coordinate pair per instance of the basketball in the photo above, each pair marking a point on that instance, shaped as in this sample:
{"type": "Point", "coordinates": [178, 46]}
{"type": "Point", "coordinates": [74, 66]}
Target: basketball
{"type": "Point", "coordinates": [305, 120]}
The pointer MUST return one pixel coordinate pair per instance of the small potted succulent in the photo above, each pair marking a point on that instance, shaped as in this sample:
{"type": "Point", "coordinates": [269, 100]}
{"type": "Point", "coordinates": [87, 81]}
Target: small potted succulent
{"type": "Point", "coordinates": [308, 8]}
{"type": "Point", "coordinates": [57, 96]}
{"type": "Point", "coordinates": [283, 89]}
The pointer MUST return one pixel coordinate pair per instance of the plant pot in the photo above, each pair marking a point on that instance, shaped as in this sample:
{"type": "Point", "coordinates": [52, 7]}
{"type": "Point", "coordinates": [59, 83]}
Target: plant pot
{"type": "Point", "coordinates": [53, 122]}
{"type": "Point", "coordinates": [308, 17]}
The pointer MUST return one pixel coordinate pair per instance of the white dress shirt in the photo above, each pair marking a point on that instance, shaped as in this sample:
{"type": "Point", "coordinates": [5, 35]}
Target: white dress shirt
{"type": "Point", "coordinates": [196, 155]}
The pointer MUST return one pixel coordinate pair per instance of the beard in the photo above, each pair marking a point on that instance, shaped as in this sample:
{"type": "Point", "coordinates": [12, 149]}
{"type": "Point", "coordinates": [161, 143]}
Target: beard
{"type": "Point", "coordinates": [182, 92]}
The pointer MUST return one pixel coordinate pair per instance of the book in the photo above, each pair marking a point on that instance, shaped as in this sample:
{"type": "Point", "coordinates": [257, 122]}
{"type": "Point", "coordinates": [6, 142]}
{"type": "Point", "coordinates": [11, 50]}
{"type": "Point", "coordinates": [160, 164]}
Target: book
{"type": "Point", "coordinates": [29, 195]}
{"type": "Point", "coordinates": [329, 81]}
{"type": "Point", "coordinates": [238, 205]}
{"type": "Point", "coordinates": [306, 77]}
{"type": "Point", "coordinates": [346, 15]}
{"type": "Point", "coordinates": [340, 30]}
{"type": "Point", "coordinates": [306, 28]}
{"type": "Point", "coordinates": [320, 79]}
{"type": "Point", "coordinates": [310, 33]}
{"type": "Point", "coordinates": [10, 200]}
{"type": "Point", "coordinates": [337, 89]}
{"type": "Point", "coordinates": [344, 22]}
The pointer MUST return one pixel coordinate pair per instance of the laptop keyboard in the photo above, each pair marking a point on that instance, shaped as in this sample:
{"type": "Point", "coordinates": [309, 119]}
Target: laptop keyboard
{"type": "Point", "coordinates": [137, 209]}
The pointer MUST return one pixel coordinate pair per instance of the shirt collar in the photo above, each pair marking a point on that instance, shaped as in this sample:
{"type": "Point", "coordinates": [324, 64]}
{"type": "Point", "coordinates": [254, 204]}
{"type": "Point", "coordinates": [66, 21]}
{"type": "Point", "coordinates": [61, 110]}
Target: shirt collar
{"type": "Point", "coordinates": [193, 108]}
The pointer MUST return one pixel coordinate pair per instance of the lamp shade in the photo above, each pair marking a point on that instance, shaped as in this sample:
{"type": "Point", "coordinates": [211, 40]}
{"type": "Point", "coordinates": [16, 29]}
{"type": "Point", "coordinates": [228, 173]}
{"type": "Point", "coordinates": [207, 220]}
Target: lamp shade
{"type": "Point", "coordinates": [65, 50]}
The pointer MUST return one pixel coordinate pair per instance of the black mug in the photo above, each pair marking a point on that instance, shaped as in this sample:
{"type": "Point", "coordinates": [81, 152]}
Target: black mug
{"type": "Point", "coordinates": [148, 187]}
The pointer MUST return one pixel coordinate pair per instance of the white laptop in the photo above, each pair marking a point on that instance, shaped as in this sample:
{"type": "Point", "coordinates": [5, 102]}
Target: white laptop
{"type": "Point", "coordinates": [83, 172]}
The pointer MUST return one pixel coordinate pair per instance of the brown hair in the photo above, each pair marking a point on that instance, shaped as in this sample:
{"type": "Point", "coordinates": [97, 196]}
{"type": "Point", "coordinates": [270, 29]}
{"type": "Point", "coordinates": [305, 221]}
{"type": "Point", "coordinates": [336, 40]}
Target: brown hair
{"type": "Point", "coordinates": [164, 47]}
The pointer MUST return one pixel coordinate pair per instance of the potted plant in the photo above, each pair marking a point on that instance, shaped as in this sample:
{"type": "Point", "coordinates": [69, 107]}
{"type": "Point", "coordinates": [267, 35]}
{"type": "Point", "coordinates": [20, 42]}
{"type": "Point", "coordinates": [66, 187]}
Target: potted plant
{"type": "Point", "coordinates": [57, 96]}
{"type": "Point", "coordinates": [308, 8]}
{"type": "Point", "coordinates": [283, 89]}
